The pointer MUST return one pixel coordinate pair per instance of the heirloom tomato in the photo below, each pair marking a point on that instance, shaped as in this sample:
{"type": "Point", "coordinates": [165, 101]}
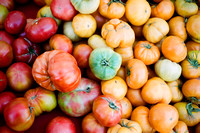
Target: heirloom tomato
{"type": "Point", "coordinates": [4, 12]}
{"type": "Point", "coordinates": [5, 98]}
{"type": "Point", "coordinates": [6, 54]}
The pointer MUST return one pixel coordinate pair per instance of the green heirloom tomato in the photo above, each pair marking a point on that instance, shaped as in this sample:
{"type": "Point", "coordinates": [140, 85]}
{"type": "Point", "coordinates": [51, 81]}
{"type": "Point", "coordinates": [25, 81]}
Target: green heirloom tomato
{"type": "Point", "coordinates": [168, 70]}
{"type": "Point", "coordinates": [85, 6]}
{"type": "Point", "coordinates": [104, 63]}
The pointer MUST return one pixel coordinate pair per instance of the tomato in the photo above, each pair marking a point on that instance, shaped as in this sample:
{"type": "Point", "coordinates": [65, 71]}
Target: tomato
{"type": "Point", "coordinates": [5, 36]}
{"type": "Point", "coordinates": [141, 115]}
{"type": "Point", "coordinates": [99, 18]}
{"type": "Point", "coordinates": [6, 54]}
{"type": "Point", "coordinates": [155, 29]}
{"type": "Point", "coordinates": [156, 91]}
{"type": "Point", "coordinates": [6, 129]}
{"type": "Point", "coordinates": [111, 8]}
{"type": "Point", "coordinates": [63, 9]}
{"type": "Point", "coordinates": [82, 53]}
{"type": "Point", "coordinates": [107, 110]}
{"type": "Point", "coordinates": [3, 81]}
{"type": "Point", "coordinates": [118, 33]}
{"type": "Point", "coordinates": [96, 41]}
{"type": "Point", "coordinates": [25, 51]}
{"type": "Point", "coordinates": [41, 100]}
{"type": "Point", "coordinates": [177, 27]}
{"type": "Point", "coordinates": [41, 29]}
{"type": "Point", "coordinates": [104, 63]}
{"type": "Point", "coordinates": [121, 73]}
{"type": "Point", "coordinates": [191, 45]}
{"type": "Point", "coordinates": [194, 55]}
{"type": "Point", "coordinates": [163, 117]}
{"type": "Point", "coordinates": [60, 124]}
{"type": "Point", "coordinates": [188, 113]}
{"type": "Point", "coordinates": [126, 108]}
{"type": "Point", "coordinates": [168, 70]}
{"type": "Point", "coordinates": [5, 98]}
{"type": "Point", "coordinates": [137, 11]}
{"type": "Point", "coordinates": [186, 8]}
{"type": "Point", "coordinates": [15, 22]}
{"type": "Point", "coordinates": [39, 2]}
{"type": "Point", "coordinates": [125, 126]}
{"type": "Point", "coordinates": [181, 127]}
{"type": "Point", "coordinates": [86, 7]}
{"type": "Point", "coordinates": [136, 73]}
{"type": "Point", "coordinates": [61, 42]}
{"type": "Point", "coordinates": [4, 12]}
{"type": "Point", "coordinates": [79, 101]}
{"type": "Point", "coordinates": [18, 114]}
{"type": "Point", "coordinates": [9, 4]}
{"type": "Point", "coordinates": [147, 52]}
{"type": "Point", "coordinates": [197, 128]}
{"type": "Point", "coordinates": [53, 70]}
{"type": "Point", "coordinates": [164, 9]}
{"type": "Point", "coordinates": [115, 87]}
{"type": "Point", "coordinates": [84, 25]}
{"type": "Point", "coordinates": [91, 125]}
{"type": "Point", "coordinates": [169, 48]}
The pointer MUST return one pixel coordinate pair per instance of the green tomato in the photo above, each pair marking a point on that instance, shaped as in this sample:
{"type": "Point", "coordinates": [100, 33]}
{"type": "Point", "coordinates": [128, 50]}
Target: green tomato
{"type": "Point", "coordinates": [3, 13]}
{"type": "Point", "coordinates": [168, 70]}
{"type": "Point", "coordinates": [104, 63]}
{"type": "Point", "coordinates": [85, 6]}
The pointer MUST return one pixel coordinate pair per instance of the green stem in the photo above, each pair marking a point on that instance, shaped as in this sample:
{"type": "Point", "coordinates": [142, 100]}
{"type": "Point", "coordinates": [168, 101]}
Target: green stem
{"type": "Point", "coordinates": [191, 109]}
{"type": "Point", "coordinates": [148, 46]}
{"type": "Point", "coordinates": [111, 104]}
{"type": "Point", "coordinates": [193, 62]}
{"type": "Point", "coordinates": [118, 1]}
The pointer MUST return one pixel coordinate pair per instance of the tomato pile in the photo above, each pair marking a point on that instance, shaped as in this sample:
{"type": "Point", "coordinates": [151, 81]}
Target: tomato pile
{"type": "Point", "coordinates": [122, 66]}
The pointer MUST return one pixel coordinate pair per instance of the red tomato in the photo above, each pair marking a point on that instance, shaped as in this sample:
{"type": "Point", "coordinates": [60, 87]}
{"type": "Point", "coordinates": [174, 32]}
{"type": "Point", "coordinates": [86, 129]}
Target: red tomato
{"type": "Point", "coordinates": [63, 9]}
{"type": "Point", "coordinates": [18, 114]}
{"type": "Point", "coordinates": [5, 129]}
{"type": "Point", "coordinates": [60, 124]}
{"type": "Point", "coordinates": [40, 29]}
{"type": "Point", "coordinates": [107, 110]}
{"type": "Point", "coordinates": [81, 53]}
{"type": "Point", "coordinates": [9, 4]}
{"type": "Point", "coordinates": [91, 125]}
{"type": "Point", "coordinates": [62, 42]}
{"type": "Point", "coordinates": [19, 76]}
{"type": "Point", "coordinates": [3, 81]}
{"type": "Point", "coordinates": [5, 36]}
{"type": "Point", "coordinates": [5, 98]}
{"type": "Point", "coordinates": [25, 51]}
{"type": "Point", "coordinates": [6, 54]}
{"type": "Point", "coordinates": [15, 22]}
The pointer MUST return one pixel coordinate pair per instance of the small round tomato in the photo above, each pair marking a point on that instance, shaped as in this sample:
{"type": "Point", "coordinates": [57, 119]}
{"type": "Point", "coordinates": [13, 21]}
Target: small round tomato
{"type": "Point", "coordinates": [15, 22]}
{"type": "Point", "coordinates": [107, 110]}
{"type": "Point", "coordinates": [81, 53]}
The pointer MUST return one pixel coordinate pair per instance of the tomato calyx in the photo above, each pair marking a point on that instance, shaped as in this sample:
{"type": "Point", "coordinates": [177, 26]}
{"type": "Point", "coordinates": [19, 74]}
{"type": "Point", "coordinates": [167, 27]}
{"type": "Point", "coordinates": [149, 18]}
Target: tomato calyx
{"type": "Point", "coordinates": [190, 1]}
{"type": "Point", "coordinates": [87, 90]}
{"type": "Point", "coordinates": [191, 109]}
{"type": "Point", "coordinates": [193, 62]}
{"type": "Point", "coordinates": [193, 100]}
{"type": "Point", "coordinates": [125, 125]}
{"type": "Point", "coordinates": [148, 46]}
{"type": "Point", "coordinates": [104, 62]}
{"type": "Point", "coordinates": [111, 104]}
{"type": "Point", "coordinates": [117, 1]}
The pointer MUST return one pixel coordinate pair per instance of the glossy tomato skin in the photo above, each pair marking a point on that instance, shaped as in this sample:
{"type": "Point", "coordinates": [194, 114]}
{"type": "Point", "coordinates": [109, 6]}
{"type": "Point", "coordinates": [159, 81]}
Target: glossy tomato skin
{"type": "Point", "coordinates": [107, 110]}
{"type": "Point", "coordinates": [40, 29]}
{"type": "Point", "coordinates": [25, 51]}
{"type": "Point", "coordinates": [61, 124]}
{"type": "Point", "coordinates": [3, 81]}
{"type": "Point", "coordinates": [6, 54]}
{"type": "Point", "coordinates": [15, 22]}
{"type": "Point", "coordinates": [18, 114]}
{"type": "Point", "coordinates": [19, 76]}
{"type": "Point", "coordinates": [9, 4]}
{"type": "Point", "coordinates": [79, 101]}
{"type": "Point", "coordinates": [63, 9]}
{"type": "Point", "coordinates": [5, 36]}
{"type": "Point", "coordinates": [5, 98]}
{"type": "Point", "coordinates": [91, 125]}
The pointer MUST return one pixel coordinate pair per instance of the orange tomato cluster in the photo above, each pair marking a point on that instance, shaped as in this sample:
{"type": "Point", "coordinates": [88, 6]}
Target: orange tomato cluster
{"type": "Point", "coordinates": [158, 84]}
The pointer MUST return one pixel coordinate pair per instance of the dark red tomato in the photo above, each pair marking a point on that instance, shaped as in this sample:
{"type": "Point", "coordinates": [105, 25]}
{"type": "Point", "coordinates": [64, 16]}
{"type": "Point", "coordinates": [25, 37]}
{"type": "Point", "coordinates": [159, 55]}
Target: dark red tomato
{"type": "Point", "coordinates": [107, 110]}
{"type": "Point", "coordinates": [3, 81]}
{"type": "Point", "coordinates": [5, 36]}
{"type": "Point", "coordinates": [5, 129]}
{"type": "Point", "coordinates": [6, 54]}
{"type": "Point", "coordinates": [81, 53]}
{"type": "Point", "coordinates": [40, 29]}
{"type": "Point", "coordinates": [18, 114]}
{"type": "Point", "coordinates": [15, 22]}
{"type": "Point", "coordinates": [25, 51]}
{"type": "Point", "coordinates": [22, 1]}
{"type": "Point", "coordinates": [9, 4]}
{"type": "Point", "coordinates": [91, 125]}
{"type": "Point", "coordinates": [63, 9]}
{"type": "Point", "coordinates": [40, 2]}
{"type": "Point", "coordinates": [5, 98]}
{"type": "Point", "coordinates": [60, 124]}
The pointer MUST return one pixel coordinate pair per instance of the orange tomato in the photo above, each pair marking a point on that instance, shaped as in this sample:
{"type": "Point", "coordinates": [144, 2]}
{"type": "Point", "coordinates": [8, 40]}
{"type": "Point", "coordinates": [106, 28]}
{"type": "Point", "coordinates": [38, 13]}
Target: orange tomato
{"type": "Point", "coordinates": [126, 108]}
{"type": "Point", "coordinates": [136, 73]}
{"type": "Point", "coordinates": [121, 73]}
{"type": "Point", "coordinates": [191, 45]}
{"type": "Point", "coordinates": [169, 48]}
{"type": "Point", "coordinates": [181, 127]}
